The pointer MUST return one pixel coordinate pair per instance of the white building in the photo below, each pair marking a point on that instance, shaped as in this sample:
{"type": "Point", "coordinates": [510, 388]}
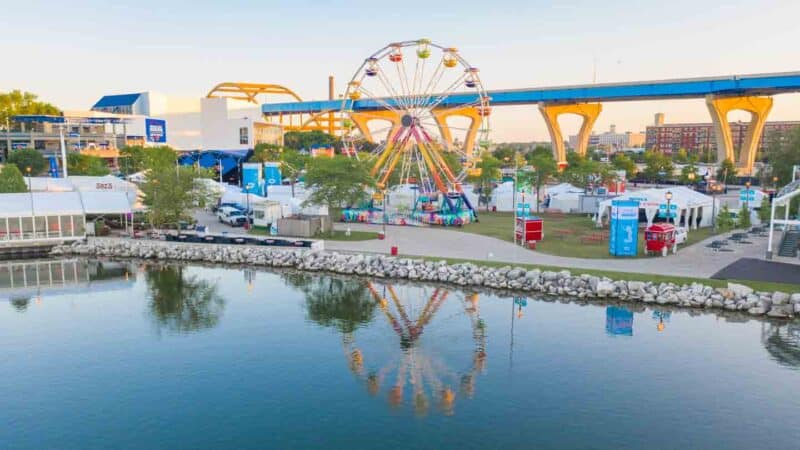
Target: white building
{"type": "Point", "coordinates": [612, 140]}
{"type": "Point", "coordinates": [228, 124]}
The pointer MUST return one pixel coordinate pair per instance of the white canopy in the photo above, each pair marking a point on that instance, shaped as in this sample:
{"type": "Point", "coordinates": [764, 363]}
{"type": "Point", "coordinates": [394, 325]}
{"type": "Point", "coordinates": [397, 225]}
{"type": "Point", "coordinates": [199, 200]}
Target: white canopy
{"type": "Point", "coordinates": [40, 204]}
{"type": "Point", "coordinates": [106, 203]}
{"type": "Point", "coordinates": [693, 209]}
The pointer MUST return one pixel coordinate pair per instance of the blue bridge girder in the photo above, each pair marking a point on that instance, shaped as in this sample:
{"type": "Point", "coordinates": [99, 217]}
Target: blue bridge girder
{"type": "Point", "coordinates": [754, 85]}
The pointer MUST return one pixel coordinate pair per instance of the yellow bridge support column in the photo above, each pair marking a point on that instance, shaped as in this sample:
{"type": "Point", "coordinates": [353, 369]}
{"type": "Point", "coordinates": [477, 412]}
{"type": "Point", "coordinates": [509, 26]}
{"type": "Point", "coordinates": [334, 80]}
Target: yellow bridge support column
{"type": "Point", "coordinates": [588, 111]}
{"type": "Point", "coordinates": [759, 108]}
{"type": "Point", "coordinates": [471, 113]}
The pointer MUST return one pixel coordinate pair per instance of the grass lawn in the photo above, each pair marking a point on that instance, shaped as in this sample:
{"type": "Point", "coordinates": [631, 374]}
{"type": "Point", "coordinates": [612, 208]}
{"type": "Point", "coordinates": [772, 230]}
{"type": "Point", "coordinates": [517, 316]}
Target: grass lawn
{"type": "Point", "coordinates": [564, 235]}
{"type": "Point", "coordinates": [632, 276]}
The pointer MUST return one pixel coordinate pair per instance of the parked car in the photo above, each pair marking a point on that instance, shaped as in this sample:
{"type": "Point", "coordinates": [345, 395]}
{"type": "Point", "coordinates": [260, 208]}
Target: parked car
{"type": "Point", "coordinates": [681, 234]}
{"type": "Point", "coordinates": [231, 216]}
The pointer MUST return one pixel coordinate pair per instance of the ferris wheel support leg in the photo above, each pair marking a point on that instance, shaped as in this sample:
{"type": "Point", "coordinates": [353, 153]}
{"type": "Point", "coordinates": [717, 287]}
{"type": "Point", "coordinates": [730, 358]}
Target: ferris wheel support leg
{"type": "Point", "coordinates": [588, 111]}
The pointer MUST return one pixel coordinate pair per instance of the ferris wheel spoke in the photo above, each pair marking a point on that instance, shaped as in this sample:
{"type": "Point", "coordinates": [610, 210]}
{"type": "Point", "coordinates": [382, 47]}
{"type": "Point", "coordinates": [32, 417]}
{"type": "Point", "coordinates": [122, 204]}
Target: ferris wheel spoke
{"type": "Point", "coordinates": [378, 100]}
{"type": "Point", "coordinates": [399, 101]}
{"type": "Point", "coordinates": [440, 97]}
{"type": "Point", "coordinates": [438, 74]}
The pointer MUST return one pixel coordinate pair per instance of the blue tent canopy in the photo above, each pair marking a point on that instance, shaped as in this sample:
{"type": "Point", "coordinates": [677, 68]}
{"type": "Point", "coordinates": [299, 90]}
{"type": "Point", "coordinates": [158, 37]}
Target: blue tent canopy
{"type": "Point", "coordinates": [210, 159]}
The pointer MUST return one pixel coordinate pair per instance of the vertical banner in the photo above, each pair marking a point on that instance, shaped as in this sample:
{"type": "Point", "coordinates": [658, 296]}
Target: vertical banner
{"type": "Point", "coordinates": [624, 229]}
{"type": "Point", "coordinates": [272, 174]}
{"type": "Point", "coordinates": [251, 176]}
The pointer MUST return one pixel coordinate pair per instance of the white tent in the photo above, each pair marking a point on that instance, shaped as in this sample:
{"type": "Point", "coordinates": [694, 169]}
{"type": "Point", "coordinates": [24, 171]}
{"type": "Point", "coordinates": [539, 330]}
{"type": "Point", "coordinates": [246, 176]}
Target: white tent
{"type": "Point", "coordinates": [106, 203]}
{"type": "Point", "coordinates": [694, 210]}
{"type": "Point", "coordinates": [503, 197]}
{"type": "Point", "coordinates": [40, 204]}
{"type": "Point", "coordinates": [49, 184]}
{"type": "Point", "coordinates": [564, 197]}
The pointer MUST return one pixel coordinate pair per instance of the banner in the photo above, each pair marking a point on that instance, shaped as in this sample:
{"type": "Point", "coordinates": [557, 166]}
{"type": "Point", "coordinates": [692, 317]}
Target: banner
{"type": "Point", "coordinates": [155, 130]}
{"type": "Point", "coordinates": [623, 235]}
{"type": "Point", "coordinates": [272, 174]}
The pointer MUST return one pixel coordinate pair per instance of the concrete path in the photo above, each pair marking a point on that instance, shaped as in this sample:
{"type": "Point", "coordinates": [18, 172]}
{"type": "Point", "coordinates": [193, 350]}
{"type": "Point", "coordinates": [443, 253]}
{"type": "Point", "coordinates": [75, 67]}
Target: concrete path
{"type": "Point", "coordinates": [696, 261]}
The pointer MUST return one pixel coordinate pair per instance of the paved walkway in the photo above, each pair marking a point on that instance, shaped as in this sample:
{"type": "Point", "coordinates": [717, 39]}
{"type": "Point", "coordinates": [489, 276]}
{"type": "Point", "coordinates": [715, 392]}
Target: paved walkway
{"type": "Point", "coordinates": [696, 261]}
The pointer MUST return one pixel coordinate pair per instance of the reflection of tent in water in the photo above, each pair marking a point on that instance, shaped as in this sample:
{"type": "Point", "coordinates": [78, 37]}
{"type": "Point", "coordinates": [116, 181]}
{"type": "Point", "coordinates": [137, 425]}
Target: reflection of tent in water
{"type": "Point", "coordinates": [782, 341]}
{"type": "Point", "coordinates": [619, 321]}
{"type": "Point", "coordinates": [427, 375]}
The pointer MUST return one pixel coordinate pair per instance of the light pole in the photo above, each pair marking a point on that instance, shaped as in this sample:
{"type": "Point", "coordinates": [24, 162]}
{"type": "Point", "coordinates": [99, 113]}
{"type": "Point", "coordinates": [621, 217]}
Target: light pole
{"type": "Point", "coordinates": [30, 192]}
{"type": "Point", "coordinates": [668, 196]}
{"type": "Point", "coordinates": [514, 194]}
{"type": "Point", "coordinates": [247, 213]}
{"type": "Point", "coordinates": [691, 178]}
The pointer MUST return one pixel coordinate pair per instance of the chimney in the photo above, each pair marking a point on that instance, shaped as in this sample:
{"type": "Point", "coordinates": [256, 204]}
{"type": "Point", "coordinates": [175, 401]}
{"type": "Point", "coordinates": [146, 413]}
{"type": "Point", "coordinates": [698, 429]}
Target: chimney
{"type": "Point", "coordinates": [659, 119]}
{"type": "Point", "coordinates": [331, 95]}
{"type": "Point", "coordinates": [612, 129]}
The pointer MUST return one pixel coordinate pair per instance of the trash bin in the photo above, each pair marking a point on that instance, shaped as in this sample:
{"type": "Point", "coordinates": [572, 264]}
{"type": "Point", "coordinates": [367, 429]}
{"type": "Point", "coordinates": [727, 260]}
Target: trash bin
{"type": "Point", "coordinates": [394, 250]}
{"type": "Point", "coordinates": [381, 235]}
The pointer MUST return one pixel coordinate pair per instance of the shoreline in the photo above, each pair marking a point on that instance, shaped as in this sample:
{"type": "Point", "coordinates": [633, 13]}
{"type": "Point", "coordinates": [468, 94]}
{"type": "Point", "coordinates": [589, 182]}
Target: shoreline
{"type": "Point", "coordinates": [735, 298]}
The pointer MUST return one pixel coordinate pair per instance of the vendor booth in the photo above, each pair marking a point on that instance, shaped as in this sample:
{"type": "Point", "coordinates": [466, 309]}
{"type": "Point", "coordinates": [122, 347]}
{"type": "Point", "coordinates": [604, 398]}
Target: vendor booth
{"type": "Point", "coordinates": [691, 209]}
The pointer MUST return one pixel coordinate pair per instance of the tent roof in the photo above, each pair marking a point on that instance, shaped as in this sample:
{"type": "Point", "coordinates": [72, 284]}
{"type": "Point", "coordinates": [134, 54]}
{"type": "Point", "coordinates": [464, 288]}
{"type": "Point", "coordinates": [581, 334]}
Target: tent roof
{"type": "Point", "coordinates": [681, 195]}
{"type": "Point", "coordinates": [40, 203]}
{"type": "Point", "coordinates": [100, 202]}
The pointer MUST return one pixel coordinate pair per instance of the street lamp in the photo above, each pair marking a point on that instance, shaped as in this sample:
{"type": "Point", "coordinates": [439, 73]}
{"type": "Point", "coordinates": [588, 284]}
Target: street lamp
{"type": "Point", "coordinates": [248, 187]}
{"type": "Point", "coordinates": [691, 178]}
{"type": "Point", "coordinates": [514, 194]}
{"type": "Point", "coordinates": [775, 182]}
{"type": "Point", "coordinates": [668, 196]}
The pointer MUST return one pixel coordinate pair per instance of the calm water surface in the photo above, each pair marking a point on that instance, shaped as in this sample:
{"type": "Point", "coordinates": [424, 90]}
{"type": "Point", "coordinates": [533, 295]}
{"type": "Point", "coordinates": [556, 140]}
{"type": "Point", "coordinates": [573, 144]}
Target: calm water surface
{"type": "Point", "coordinates": [128, 356]}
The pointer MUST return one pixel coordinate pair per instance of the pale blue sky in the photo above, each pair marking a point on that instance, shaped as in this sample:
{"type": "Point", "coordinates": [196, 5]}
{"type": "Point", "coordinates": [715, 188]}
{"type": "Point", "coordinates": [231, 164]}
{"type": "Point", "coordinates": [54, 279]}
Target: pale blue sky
{"type": "Point", "coordinates": [71, 53]}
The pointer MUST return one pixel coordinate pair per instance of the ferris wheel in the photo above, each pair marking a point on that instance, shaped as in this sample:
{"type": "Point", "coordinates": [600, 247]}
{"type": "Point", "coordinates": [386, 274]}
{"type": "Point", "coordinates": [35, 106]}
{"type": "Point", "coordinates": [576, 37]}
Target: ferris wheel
{"type": "Point", "coordinates": [420, 113]}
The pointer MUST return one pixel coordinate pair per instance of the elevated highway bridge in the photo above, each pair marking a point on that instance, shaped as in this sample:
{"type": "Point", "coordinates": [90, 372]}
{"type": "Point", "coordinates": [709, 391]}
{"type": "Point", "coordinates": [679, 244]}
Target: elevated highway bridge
{"type": "Point", "coordinates": [752, 93]}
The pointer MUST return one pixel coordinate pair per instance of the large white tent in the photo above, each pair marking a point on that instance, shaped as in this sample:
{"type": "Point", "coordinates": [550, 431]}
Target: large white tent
{"type": "Point", "coordinates": [564, 197]}
{"type": "Point", "coordinates": [503, 197]}
{"type": "Point", "coordinates": [694, 209]}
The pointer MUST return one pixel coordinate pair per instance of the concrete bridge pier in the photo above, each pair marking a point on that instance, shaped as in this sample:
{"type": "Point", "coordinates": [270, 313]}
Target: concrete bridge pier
{"type": "Point", "coordinates": [719, 107]}
{"type": "Point", "coordinates": [588, 111]}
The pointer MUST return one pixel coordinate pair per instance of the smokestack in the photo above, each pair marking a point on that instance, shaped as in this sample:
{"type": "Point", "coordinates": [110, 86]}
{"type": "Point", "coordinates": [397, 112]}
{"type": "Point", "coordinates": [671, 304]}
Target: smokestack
{"type": "Point", "coordinates": [331, 95]}
{"type": "Point", "coordinates": [659, 119]}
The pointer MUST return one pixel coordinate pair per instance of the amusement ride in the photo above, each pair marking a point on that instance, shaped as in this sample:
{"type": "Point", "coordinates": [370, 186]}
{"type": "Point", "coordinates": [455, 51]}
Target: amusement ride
{"type": "Point", "coordinates": [416, 130]}
{"type": "Point", "coordinates": [417, 375]}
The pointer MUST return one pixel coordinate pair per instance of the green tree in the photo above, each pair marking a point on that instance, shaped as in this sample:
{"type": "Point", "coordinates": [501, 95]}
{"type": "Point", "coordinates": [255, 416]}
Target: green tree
{"type": "Point", "coordinates": [28, 158]}
{"type": "Point", "coordinates": [171, 192]}
{"type": "Point", "coordinates": [264, 152]}
{"type": "Point", "coordinates": [689, 174]}
{"type": "Point", "coordinates": [539, 150]}
{"type": "Point", "coordinates": [489, 172]}
{"type": "Point", "coordinates": [137, 158]}
{"type": "Point", "coordinates": [337, 181]}
{"type": "Point", "coordinates": [502, 152]}
{"type": "Point", "coordinates": [78, 164]}
{"type": "Point", "coordinates": [726, 171]}
{"type": "Point", "coordinates": [744, 217]}
{"type": "Point", "coordinates": [725, 219]}
{"type": "Point", "coordinates": [681, 157]}
{"type": "Point", "coordinates": [784, 155]}
{"type": "Point", "coordinates": [765, 211]}
{"type": "Point", "coordinates": [621, 161]}
{"type": "Point", "coordinates": [299, 140]}
{"type": "Point", "coordinates": [544, 167]}
{"type": "Point", "coordinates": [11, 180]}
{"type": "Point", "coordinates": [658, 166]}
{"type": "Point", "coordinates": [581, 171]}
{"type": "Point", "coordinates": [18, 102]}
{"type": "Point", "coordinates": [293, 163]}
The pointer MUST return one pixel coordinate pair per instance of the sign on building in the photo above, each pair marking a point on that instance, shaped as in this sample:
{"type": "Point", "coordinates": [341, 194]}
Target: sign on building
{"type": "Point", "coordinates": [156, 130]}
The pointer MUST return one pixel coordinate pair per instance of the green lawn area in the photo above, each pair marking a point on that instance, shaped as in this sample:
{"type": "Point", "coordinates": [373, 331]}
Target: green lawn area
{"type": "Point", "coordinates": [564, 234]}
{"type": "Point", "coordinates": [631, 276]}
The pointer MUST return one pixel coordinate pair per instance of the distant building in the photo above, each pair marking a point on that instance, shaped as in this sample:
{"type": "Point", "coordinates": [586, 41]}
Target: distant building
{"type": "Point", "coordinates": [611, 140]}
{"type": "Point", "coordinates": [701, 137]}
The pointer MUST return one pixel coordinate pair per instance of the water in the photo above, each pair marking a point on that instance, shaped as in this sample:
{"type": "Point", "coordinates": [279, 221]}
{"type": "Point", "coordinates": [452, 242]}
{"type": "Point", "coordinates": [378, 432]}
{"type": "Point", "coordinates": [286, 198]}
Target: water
{"type": "Point", "coordinates": [127, 356]}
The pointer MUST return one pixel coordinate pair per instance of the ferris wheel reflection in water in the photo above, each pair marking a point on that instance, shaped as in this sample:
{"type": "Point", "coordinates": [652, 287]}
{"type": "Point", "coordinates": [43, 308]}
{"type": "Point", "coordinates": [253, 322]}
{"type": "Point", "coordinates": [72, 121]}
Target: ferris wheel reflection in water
{"type": "Point", "coordinates": [415, 374]}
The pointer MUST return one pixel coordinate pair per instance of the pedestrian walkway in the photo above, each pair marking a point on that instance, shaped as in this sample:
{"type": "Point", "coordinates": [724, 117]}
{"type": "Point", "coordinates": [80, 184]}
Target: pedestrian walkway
{"type": "Point", "coordinates": [696, 261]}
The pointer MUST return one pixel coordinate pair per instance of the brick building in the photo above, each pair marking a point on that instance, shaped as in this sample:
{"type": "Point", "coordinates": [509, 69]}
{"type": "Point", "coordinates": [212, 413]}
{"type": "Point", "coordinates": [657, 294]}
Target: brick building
{"type": "Point", "coordinates": [700, 137]}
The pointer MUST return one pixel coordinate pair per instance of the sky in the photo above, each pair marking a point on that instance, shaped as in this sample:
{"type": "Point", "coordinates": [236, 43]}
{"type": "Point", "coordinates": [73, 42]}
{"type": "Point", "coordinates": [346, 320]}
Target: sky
{"type": "Point", "coordinates": [72, 53]}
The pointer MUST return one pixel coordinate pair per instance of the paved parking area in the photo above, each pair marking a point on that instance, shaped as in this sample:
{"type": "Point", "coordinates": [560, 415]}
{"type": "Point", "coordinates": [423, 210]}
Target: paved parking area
{"type": "Point", "coordinates": [760, 270]}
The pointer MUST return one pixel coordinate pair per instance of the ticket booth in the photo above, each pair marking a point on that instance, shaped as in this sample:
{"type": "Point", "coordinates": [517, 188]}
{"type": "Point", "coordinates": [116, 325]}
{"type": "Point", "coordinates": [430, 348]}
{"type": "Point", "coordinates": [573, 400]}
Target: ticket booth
{"type": "Point", "coordinates": [529, 230]}
{"type": "Point", "coordinates": [660, 238]}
